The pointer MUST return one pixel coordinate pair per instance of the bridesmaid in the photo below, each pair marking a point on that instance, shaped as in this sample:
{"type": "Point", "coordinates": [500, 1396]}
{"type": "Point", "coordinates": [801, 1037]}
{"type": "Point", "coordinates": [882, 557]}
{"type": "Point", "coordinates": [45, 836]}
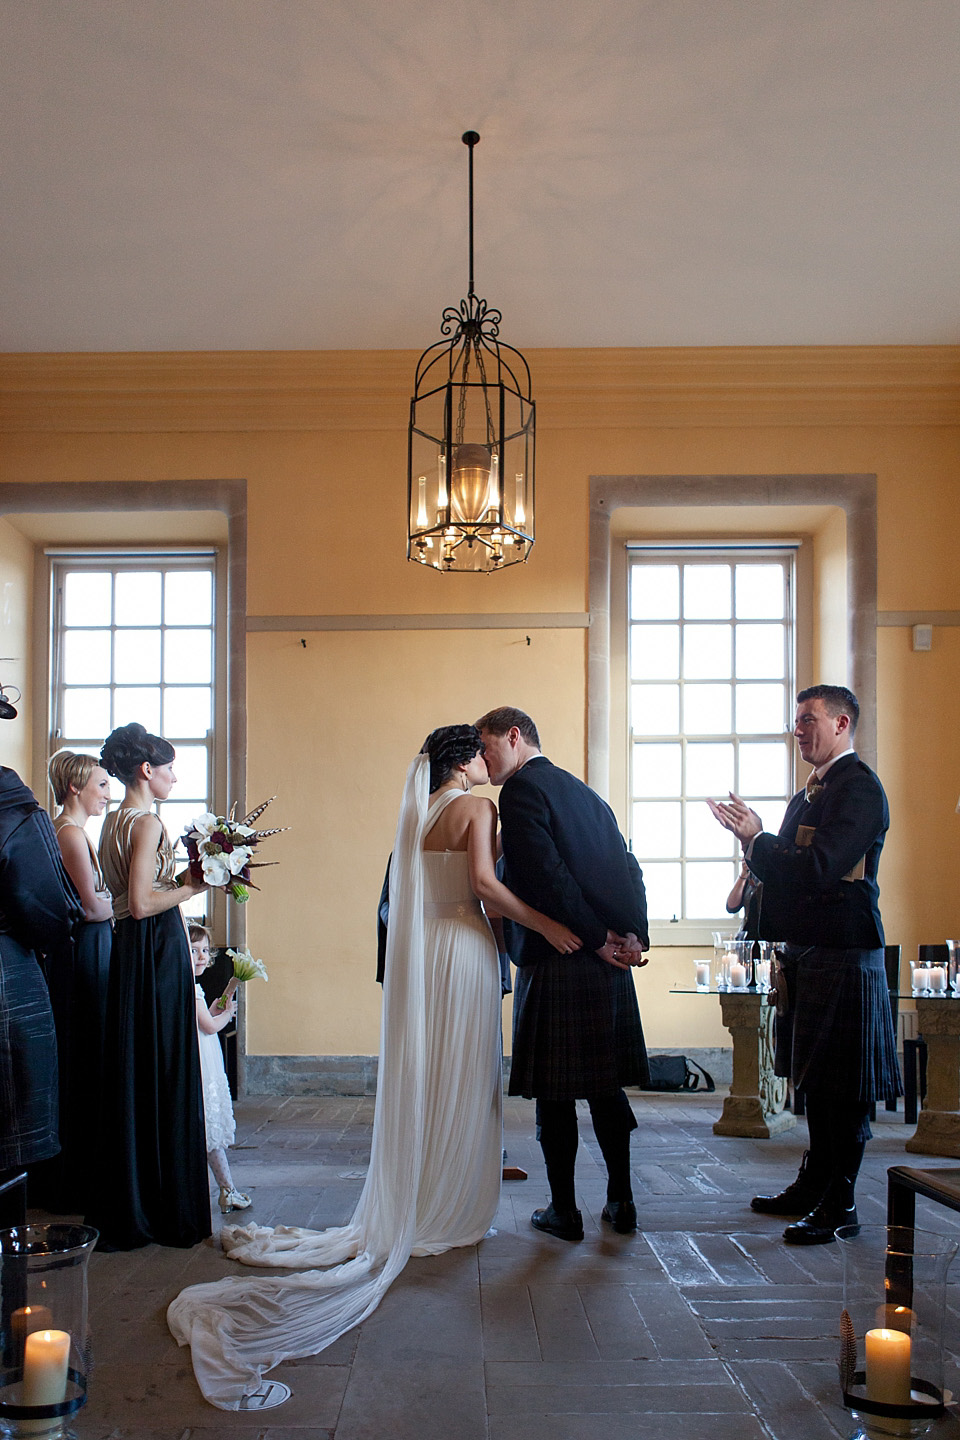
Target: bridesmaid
{"type": "Point", "coordinates": [77, 978]}
{"type": "Point", "coordinates": [151, 1183]}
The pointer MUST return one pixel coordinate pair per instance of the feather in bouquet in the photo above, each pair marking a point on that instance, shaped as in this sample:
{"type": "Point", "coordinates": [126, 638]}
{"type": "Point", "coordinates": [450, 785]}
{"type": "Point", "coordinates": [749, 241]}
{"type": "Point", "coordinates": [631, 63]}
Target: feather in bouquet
{"type": "Point", "coordinates": [220, 850]}
{"type": "Point", "coordinates": [245, 968]}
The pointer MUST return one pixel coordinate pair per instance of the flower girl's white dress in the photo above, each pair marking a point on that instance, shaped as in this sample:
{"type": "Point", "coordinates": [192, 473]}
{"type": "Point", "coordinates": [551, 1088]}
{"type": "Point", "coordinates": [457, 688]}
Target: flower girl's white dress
{"type": "Point", "coordinates": [435, 1165]}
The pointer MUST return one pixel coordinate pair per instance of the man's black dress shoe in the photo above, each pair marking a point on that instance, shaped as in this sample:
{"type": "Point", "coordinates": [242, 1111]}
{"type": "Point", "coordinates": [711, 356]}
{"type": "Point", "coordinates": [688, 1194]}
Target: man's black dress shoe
{"type": "Point", "coordinates": [835, 1209]}
{"type": "Point", "coordinates": [564, 1224]}
{"type": "Point", "coordinates": [799, 1198]}
{"type": "Point", "coordinates": [621, 1214]}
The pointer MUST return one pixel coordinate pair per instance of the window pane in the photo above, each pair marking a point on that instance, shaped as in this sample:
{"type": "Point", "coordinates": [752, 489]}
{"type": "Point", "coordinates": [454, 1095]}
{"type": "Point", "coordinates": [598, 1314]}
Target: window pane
{"type": "Point", "coordinates": [138, 702]}
{"type": "Point", "coordinates": [708, 886]}
{"type": "Point", "coordinates": [86, 657]}
{"type": "Point", "coordinates": [656, 769]}
{"type": "Point", "coordinates": [709, 769]}
{"type": "Point", "coordinates": [704, 836]}
{"type": "Point", "coordinates": [186, 711]}
{"type": "Point", "coordinates": [86, 713]}
{"type": "Point", "coordinates": [760, 592]}
{"type": "Point", "coordinates": [655, 592]}
{"type": "Point", "coordinates": [654, 652]}
{"type": "Point", "coordinates": [760, 652]}
{"type": "Point", "coordinates": [136, 656]}
{"type": "Point", "coordinates": [763, 769]}
{"type": "Point", "coordinates": [187, 656]}
{"type": "Point", "coordinates": [761, 709]}
{"type": "Point", "coordinates": [137, 597]}
{"type": "Point", "coordinates": [188, 597]}
{"type": "Point", "coordinates": [770, 811]}
{"type": "Point", "coordinates": [706, 709]}
{"type": "Point", "coordinates": [86, 598]}
{"type": "Point", "coordinates": [706, 592]}
{"type": "Point", "coordinates": [662, 884]}
{"type": "Point", "coordinates": [656, 827]}
{"type": "Point", "coordinates": [655, 709]}
{"type": "Point", "coordinates": [706, 652]}
{"type": "Point", "coordinates": [178, 816]}
{"type": "Point", "coordinates": [190, 768]}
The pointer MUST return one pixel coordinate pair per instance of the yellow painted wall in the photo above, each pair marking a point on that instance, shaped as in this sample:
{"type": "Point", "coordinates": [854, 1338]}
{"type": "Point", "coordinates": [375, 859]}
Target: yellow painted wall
{"type": "Point", "coordinates": [320, 441]}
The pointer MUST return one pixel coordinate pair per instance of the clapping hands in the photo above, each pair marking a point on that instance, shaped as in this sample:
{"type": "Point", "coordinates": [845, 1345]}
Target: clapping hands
{"type": "Point", "coordinates": [735, 815]}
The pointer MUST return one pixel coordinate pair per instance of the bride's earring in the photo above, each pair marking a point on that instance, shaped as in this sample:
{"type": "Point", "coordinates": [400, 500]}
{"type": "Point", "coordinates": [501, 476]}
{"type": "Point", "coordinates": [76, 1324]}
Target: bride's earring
{"type": "Point", "coordinates": [464, 782]}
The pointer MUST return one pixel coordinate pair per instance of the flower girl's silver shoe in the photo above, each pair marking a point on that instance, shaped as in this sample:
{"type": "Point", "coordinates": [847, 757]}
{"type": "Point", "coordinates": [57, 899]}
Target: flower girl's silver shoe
{"type": "Point", "coordinates": [233, 1200]}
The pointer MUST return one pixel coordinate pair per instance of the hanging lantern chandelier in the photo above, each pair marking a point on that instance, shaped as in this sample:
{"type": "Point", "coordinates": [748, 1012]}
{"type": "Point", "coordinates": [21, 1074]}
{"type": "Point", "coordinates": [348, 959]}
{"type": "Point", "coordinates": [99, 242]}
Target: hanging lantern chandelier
{"type": "Point", "coordinates": [471, 441]}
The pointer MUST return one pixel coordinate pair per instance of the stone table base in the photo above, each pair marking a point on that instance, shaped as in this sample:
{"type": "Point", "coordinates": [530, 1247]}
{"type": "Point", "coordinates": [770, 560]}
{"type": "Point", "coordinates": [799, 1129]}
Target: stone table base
{"type": "Point", "coordinates": [938, 1125]}
{"type": "Point", "coordinates": [755, 1107]}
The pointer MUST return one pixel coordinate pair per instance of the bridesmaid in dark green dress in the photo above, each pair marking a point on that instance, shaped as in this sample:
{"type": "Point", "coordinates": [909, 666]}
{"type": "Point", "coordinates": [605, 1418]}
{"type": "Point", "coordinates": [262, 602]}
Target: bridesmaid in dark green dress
{"type": "Point", "coordinates": [151, 1182]}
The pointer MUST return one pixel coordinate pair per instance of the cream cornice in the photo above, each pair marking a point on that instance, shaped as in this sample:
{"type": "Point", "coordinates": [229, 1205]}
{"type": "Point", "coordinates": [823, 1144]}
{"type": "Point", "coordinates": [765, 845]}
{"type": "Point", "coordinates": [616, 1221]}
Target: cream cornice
{"type": "Point", "coordinates": [575, 389]}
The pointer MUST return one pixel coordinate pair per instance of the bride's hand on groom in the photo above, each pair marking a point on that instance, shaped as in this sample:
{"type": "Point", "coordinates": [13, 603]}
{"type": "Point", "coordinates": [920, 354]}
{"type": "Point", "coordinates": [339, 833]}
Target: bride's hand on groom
{"type": "Point", "coordinates": [561, 938]}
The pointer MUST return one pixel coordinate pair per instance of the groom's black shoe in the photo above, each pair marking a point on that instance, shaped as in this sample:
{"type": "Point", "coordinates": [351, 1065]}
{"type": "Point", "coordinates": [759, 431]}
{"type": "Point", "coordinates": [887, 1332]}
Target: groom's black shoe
{"type": "Point", "coordinates": [565, 1224]}
{"type": "Point", "coordinates": [621, 1214]}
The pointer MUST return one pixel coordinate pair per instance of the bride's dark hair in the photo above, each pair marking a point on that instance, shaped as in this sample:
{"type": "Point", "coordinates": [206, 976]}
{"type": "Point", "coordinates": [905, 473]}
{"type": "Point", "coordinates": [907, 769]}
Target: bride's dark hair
{"type": "Point", "coordinates": [449, 746]}
{"type": "Point", "coordinates": [130, 746]}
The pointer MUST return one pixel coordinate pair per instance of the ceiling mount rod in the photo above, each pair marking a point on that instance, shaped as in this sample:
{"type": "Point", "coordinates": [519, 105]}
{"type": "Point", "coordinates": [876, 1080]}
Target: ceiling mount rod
{"type": "Point", "coordinates": [470, 138]}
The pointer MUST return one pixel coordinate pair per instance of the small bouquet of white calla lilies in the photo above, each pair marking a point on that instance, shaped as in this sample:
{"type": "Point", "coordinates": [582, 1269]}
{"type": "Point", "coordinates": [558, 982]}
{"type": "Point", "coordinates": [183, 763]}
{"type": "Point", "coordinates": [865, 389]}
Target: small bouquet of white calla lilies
{"type": "Point", "coordinates": [245, 968]}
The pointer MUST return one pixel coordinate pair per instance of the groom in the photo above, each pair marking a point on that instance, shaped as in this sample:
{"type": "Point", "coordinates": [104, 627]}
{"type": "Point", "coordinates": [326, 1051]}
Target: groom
{"type": "Point", "coordinates": [576, 1024]}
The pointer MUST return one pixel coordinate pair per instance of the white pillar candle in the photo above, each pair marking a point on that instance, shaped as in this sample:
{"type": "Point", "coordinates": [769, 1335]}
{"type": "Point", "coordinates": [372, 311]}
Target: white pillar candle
{"type": "Point", "coordinates": [888, 1366]}
{"type": "Point", "coordinates": [45, 1358]}
{"type": "Point", "coordinates": [703, 973]}
{"type": "Point", "coordinates": [937, 978]}
{"type": "Point", "coordinates": [738, 975]}
{"type": "Point", "coordinates": [920, 978]}
{"type": "Point", "coordinates": [25, 1321]}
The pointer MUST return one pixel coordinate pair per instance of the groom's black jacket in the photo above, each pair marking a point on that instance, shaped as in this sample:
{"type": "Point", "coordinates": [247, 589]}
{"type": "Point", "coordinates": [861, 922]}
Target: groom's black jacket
{"type": "Point", "coordinates": [564, 855]}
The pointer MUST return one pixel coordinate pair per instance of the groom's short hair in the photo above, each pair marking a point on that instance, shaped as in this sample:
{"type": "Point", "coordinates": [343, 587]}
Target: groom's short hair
{"type": "Point", "coordinates": [504, 718]}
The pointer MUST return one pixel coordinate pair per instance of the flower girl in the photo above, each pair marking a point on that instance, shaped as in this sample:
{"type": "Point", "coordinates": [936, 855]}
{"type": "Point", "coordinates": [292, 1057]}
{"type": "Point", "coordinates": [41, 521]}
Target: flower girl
{"type": "Point", "coordinates": [217, 1105]}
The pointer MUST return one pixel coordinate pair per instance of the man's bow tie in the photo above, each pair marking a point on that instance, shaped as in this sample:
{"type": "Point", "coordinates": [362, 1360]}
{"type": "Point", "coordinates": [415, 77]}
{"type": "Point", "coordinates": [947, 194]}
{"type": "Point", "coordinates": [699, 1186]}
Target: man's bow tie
{"type": "Point", "coordinates": [813, 786]}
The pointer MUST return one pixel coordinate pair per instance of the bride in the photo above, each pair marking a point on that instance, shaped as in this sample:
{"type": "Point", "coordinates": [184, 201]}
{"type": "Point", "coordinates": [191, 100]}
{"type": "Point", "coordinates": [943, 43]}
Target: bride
{"type": "Point", "coordinates": [434, 1176]}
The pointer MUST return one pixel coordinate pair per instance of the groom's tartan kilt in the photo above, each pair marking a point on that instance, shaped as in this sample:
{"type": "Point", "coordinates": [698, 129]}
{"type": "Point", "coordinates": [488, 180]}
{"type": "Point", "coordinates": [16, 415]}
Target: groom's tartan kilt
{"type": "Point", "coordinates": [576, 1029]}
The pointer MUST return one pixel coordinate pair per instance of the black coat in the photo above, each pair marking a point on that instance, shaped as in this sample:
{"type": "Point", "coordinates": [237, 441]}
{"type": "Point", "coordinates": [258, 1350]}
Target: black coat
{"type": "Point", "coordinates": [808, 898]}
{"type": "Point", "coordinates": [38, 909]}
{"type": "Point", "coordinates": [577, 1031]}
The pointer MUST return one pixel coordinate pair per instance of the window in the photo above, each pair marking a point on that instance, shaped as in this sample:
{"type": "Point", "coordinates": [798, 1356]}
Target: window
{"type": "Point", "coordinates": [134, 639]}
{"type": "Point", "coordinates": [711, 686]}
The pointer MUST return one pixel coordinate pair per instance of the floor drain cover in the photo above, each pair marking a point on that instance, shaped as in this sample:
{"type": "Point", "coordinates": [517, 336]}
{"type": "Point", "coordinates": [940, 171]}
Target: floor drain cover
{"type": "Point", "coordinates": [271, 1392]}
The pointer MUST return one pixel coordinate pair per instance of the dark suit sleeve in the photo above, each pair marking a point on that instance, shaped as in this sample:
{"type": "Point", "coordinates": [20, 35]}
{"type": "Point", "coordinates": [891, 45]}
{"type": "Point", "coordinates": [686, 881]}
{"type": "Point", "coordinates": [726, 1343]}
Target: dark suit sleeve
{"type": "Point", "coordinates": [848, 820]}
{"type": "Point", "coordinates": [39, 901]}
{"type": "Point", "coordinates": [536, 869]}
{"type": "Point", "coordinates": [640, 897]}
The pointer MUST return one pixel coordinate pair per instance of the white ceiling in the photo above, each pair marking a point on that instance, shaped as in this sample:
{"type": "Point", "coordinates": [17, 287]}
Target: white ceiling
{"type": "Point", "coordinates": [288, 174]}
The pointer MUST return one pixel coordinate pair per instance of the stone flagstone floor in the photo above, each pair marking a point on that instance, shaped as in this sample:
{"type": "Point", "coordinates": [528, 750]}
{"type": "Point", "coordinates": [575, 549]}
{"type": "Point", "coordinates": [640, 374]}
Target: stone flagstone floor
{"type": "Point", "coordinates": [703, 1326]}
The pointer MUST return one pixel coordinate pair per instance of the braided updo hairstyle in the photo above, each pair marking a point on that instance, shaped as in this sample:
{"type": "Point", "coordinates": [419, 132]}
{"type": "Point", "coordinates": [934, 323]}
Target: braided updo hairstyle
{"type": "Point", "coordinates": [131, 746]}
{"type": "Point", "coordinates": [449, 746]}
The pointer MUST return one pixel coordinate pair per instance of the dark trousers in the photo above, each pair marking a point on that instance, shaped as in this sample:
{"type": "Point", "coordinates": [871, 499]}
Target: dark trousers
{"type": "Point", "coordinates": [557, 1132]}
{"type": "Point", "coordinates": [839, 1131]}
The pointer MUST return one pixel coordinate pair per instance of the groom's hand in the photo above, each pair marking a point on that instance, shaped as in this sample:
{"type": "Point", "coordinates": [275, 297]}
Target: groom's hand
{"type": "Point", "coordinates": [632, 951]}
{"type": "Point", "coordinates": [622, 951]}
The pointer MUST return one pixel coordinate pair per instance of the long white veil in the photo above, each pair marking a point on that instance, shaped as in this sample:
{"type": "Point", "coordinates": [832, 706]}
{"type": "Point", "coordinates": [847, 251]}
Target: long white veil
{"type": "Point", "coordinates": [240, 1327]}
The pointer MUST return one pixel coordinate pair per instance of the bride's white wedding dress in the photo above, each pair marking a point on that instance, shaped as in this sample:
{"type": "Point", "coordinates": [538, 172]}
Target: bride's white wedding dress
{"type": "Point", "coordinates": [435, 1164]}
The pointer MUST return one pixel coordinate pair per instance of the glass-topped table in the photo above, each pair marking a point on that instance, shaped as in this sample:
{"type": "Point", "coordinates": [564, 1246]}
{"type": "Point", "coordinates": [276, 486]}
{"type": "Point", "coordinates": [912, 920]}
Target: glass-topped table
{"type": "Point", "coordinates": [756, 1105]}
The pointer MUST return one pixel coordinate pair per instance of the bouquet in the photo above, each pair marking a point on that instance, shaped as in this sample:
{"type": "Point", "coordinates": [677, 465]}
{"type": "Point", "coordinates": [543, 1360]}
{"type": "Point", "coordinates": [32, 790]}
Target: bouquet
{"type": "Point", "coordinates": [245, 967]}
{"type": "Point", "coordinates": [220, 850]}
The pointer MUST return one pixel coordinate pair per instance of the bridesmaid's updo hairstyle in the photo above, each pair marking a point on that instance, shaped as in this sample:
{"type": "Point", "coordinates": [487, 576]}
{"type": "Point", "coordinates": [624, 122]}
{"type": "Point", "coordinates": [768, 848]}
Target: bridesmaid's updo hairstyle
{"type": "Point", "coordinates": [131, 746]}
{"type": "Point", "coordinates": [66, 769]}
{"type": "Point", "coordinates": [449, 746]}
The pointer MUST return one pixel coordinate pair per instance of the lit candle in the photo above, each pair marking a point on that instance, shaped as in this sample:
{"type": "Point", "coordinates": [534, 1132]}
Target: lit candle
{"type": "Point", "coordinates": [45, 1357]}
{"type": "Point", "coordinates": [422, 503]}
{"type": "Point", "coordinates": [738, 975]}
{"type": "Point", "coordinates": [442, 481]}
{"type": "Point", "coordinates": [703, 974]}
{"type": "Point", "coordinates": [519, 511]}
{"type": "Point", "coordinates": [888, 1366]}
{"type": "Point", "coordinates": [24, 1322]}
